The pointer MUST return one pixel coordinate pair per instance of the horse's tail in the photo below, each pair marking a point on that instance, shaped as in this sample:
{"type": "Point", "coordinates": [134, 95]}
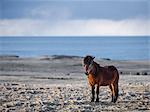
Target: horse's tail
{"type": "Point", "coordinates": [116, 85]}
{"type": "Point", "coordinates": [115, 81]}
{"type": "Point", "coordinates": [117, 76]}
{"type": "Point", "coordinates": [115, 72]}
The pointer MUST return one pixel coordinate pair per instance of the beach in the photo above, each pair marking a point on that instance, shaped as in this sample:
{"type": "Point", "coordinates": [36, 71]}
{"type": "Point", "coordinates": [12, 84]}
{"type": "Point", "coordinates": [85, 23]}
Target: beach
{"type": "Point", "coordinates": [58, 83]}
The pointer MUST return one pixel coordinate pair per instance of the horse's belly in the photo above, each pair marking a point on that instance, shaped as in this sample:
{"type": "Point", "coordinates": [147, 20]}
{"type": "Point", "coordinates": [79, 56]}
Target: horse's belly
{"type": "Point", "coordinates": [105, 84]}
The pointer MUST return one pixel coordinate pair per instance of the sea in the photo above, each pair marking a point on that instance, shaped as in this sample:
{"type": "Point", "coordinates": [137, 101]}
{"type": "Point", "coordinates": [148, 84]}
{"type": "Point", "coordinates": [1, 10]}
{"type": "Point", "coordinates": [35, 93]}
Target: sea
{"type": "Point", "coordinates": [112, 47]}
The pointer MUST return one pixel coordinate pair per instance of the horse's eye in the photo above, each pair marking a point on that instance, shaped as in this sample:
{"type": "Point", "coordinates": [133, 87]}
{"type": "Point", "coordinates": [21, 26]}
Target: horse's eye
{"type": "Point", "coordinates": [89, 63]}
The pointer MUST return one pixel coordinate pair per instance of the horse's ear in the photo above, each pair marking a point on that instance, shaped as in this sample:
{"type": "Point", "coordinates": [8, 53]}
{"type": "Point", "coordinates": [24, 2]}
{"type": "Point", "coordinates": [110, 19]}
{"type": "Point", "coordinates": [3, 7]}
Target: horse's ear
{"type": "Point", "coordinates": [93, 57]}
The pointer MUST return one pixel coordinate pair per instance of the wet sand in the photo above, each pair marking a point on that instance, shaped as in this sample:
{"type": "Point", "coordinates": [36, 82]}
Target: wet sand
{"type": "Point", "coordinates": [58, 83]}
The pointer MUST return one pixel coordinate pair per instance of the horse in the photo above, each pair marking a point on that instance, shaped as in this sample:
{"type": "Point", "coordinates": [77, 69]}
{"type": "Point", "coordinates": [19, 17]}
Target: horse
{"type": "Point", "coordinates": [101, 76]}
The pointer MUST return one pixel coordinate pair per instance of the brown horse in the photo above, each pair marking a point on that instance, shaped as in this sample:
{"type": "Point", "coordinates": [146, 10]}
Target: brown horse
{"type": "Point", "coordinates": [101, 76]}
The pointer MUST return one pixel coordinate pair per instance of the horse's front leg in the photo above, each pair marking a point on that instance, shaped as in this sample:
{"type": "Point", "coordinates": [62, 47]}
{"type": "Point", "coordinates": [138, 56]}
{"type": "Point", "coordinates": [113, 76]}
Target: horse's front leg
{"type": "Point", "coordinates": [93, 93]}
{"type": "Point", "coordinates": [97, 93]}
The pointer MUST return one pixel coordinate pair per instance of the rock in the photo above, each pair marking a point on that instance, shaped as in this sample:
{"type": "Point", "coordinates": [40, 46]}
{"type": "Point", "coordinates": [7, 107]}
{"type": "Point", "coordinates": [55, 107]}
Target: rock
{"type": "Point", "coordinates": [146, 93]}
{"type": "Point", "coordinates": [14, 88]}
{"type": "Point", "coordinates": [78, 98]}
{"type": "Point", "coordinates": [45, 102]}
{"type": "Point", "coordinates": [9, 57]}
{"type": "Point", "coordinates": [131, 94]}
{"type": "Point", "coordinates": [22, 92]}
{"type": "Point", "coordinates": [14, 84]}
{"type": "Point", "coordinates": [8, 88]}
{"type": "Point", "coordinates": [142, 108]}
{"type": "Point", "coordinates": [87, 107]}
{"type": "Point", "coordinates": [65, 102]}
{"type": "Point", "coordinates": [18, 103]}
{"type": "Point", "coordinates": [28, 97]}
{"type": "Point", "coordinates": [41, 88]}
{"type": "Point", "coordinates": [3, 99]}
{"type": "Point", "coordinates": [30, 92]}
{"type": "Point", "coordinates": [9, 104]}
{"type": "Point", "coordinates": [32, 104]}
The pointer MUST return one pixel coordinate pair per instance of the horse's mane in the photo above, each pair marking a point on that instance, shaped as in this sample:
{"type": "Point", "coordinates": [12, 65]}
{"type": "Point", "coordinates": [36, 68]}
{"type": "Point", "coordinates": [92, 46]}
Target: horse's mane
{"type": "Point", "coordinates": [97, 65]}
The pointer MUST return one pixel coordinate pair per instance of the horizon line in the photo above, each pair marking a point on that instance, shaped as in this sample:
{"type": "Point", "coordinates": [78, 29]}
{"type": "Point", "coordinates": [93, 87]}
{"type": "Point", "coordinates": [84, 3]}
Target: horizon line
{"type": "Point", "coordinates": [75, 36]}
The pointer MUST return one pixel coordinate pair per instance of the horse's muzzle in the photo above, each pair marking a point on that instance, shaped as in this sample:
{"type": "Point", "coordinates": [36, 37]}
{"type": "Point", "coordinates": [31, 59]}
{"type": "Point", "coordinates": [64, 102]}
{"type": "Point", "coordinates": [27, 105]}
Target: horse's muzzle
{"type": "Point", "coordinates": [85, 67]}
{"type": "Point", "coordinates": [86, 73]}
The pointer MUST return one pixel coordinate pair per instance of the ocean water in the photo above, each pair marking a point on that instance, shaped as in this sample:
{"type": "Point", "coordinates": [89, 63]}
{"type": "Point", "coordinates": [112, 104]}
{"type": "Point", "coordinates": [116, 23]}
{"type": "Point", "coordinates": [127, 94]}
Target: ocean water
{"type": "Point", "coordinates": [117, 48]}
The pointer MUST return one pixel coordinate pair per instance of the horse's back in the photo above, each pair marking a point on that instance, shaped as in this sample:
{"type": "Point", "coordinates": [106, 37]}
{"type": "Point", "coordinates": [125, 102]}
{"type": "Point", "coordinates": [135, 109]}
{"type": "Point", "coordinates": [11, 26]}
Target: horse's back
{"type": "Point", "coordinates": [111, 68]}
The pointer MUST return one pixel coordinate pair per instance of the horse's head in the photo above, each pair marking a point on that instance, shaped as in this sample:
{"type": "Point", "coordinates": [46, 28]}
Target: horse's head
{"type": "Point", "coordinates": [88, 63]}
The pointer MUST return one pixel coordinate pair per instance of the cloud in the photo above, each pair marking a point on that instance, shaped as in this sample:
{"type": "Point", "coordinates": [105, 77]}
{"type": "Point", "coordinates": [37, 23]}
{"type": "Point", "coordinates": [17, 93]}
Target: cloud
{"type": "Point", "coordinates": [49, 12]}
{"type": "Point", "coordinates": [90, 27]}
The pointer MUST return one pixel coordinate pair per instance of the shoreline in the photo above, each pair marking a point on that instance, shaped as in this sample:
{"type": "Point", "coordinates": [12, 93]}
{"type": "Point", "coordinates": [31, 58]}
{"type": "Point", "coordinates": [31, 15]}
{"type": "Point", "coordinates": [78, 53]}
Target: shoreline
{"type": "Point", "coordinates": [5, 56]}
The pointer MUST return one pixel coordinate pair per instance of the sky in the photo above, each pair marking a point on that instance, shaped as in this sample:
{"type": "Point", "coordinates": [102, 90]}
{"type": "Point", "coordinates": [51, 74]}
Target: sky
{"type": "Point", "coordinates": [74, 17]}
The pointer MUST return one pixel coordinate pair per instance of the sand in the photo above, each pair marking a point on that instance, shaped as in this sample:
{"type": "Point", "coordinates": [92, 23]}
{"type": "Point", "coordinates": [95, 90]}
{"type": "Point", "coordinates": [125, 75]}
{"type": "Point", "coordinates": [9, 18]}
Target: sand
{"type": "Point", "coordinates": [58, 83]}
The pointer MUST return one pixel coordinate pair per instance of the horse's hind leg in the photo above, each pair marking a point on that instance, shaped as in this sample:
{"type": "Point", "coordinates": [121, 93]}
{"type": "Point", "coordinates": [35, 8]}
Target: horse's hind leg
{"type": "Point", "coordinates": [114, 98]}
{"type": "Point", "coordinates": [116, 91]}
{"type": "Point", "coordinates": [97, 93]}
{"type": "Point", "coordinates": [93, 93]}
{"type": "Point", "coordinates": [111, 92]}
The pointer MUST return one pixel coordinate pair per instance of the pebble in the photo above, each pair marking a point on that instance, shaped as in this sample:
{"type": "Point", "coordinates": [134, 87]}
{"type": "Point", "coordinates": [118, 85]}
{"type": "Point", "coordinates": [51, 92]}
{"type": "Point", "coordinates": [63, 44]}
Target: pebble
{"type": "Point", "coordinates": [87, 107]}
{"type": "Point", "coordinates": [131, 94]}
{"type": "Point", "coordinates": [70, 99]}
{"type": "Point", "coordinates": [18, 103]}
{"type": "Point", "coordinates": [79, 98]}
{"type": "Point", "coordinates": [147, 93]}
{"type": "Point", "coordinates": [9, 104]}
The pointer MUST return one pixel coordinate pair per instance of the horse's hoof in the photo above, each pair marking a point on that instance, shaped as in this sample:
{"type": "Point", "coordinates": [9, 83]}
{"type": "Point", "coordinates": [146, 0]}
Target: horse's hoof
{"type": "Point", "coordinates": [97, 100]}
{"type": "Point", "coordinates": [92, 100]}
{"type": "Point", "coordinates": [114, 99]}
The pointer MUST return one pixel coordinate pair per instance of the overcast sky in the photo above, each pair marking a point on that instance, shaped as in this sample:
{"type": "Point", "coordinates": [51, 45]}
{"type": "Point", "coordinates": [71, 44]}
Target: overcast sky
{"type": "Point", "coordinates": [74, 17]}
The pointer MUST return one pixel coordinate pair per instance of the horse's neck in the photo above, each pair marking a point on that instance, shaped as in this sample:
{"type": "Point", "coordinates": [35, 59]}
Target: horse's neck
{"type": "Point", "coordinates": [96, 65]}
{"type": "Point", "coordinates": [96, 68]}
